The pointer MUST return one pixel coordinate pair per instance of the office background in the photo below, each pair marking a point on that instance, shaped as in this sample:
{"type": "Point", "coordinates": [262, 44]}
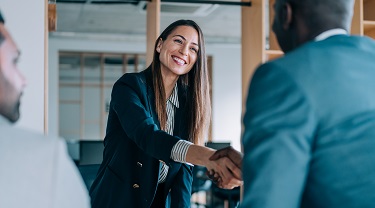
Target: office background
{"type": "Point", "coordinates": [26, 20]}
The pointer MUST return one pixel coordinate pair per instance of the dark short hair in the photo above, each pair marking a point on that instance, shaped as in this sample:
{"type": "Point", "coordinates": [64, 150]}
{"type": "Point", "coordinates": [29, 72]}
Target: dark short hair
{"type": "Point", "coordinates": [336, 13]}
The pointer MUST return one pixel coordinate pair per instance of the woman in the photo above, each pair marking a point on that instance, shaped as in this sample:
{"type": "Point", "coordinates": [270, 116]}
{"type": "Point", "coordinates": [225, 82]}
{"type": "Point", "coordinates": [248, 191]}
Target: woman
{"type": "Point", "coordinates": [156, 120]}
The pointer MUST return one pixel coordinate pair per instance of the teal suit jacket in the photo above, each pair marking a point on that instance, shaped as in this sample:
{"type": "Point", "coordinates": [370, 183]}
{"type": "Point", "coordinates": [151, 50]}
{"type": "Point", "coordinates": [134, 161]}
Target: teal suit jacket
{"type": "Point", "coordinates": [309, 138]}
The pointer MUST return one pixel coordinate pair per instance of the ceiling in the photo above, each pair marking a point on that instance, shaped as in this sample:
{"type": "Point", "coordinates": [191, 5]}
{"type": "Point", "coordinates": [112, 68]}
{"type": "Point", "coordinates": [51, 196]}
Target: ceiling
{"type": "Point", "coordinates": [89, 19]}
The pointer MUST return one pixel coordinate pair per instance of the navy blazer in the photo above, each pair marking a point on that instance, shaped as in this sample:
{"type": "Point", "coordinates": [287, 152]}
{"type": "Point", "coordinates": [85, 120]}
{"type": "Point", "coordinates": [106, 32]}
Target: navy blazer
{"type": "Point", "coordinates": [309, 138]}
{"type": "Point", "coordinates": [135, 145]}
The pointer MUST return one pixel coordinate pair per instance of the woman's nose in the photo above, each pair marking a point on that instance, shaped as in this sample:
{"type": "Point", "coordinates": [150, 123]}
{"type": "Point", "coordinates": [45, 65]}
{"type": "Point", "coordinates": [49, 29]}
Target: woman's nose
{"type": "Point", "coordinates": [184, 50]}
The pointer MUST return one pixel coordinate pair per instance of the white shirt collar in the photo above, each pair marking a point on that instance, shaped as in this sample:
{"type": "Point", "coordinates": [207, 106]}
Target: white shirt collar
{"type": "Point", "coordinates": [328, 33]}
{"type": "Point", "coordinates": [173, 98]}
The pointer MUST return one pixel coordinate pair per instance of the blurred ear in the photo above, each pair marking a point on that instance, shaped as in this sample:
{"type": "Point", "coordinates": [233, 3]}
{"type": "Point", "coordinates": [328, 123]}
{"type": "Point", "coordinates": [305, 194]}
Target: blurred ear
{"type": "Point", "coordinates": [287, 16]}
{"type": "Point", "coordinates": [160, 42]}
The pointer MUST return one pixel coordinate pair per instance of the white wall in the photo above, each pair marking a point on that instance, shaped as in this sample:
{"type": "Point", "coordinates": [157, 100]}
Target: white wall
{"type": "Point", "coordinates": [25, 21]}
{"type": "Point", "coordinates": [226, 98]}
{"type": "Point", "coordinates": [226, 81]}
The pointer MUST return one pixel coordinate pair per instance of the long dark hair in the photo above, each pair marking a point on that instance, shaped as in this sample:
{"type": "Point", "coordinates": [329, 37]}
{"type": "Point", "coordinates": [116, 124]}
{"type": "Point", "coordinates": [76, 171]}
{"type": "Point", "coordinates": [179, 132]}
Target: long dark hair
{"type": "Point", "coordinates": [199, 114]}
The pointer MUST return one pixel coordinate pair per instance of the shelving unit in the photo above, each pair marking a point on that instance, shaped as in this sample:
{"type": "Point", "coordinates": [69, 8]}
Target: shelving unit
{"type": "Point", "coordinates": [364, 18]}
{"type": "Point", "coordinates": [368, 18]}
{"type": "Point", "coordinates": [85, 84]}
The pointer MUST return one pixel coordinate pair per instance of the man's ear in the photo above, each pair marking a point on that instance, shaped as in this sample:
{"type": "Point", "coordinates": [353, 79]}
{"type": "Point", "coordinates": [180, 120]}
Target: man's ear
{"type": "Point", "coordinates": [287, 16]}
{"type": "Point", "coordinates": [158, 47]}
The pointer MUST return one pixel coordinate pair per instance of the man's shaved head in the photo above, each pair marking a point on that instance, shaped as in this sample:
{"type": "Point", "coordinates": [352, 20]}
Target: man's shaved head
{"type": "Point", "coordinates": [299, 21]}
{"type": "Point", "coordinates": [325, 13]}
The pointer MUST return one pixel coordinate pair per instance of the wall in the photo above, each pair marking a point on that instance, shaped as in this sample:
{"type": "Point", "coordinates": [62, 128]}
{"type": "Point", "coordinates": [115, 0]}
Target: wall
{"type": "Point", "coordinates": [226, 80]}
{"type": "Point", "coordinates": [226, 98]}
{"type": "Point", "coordinates": [25, 21]}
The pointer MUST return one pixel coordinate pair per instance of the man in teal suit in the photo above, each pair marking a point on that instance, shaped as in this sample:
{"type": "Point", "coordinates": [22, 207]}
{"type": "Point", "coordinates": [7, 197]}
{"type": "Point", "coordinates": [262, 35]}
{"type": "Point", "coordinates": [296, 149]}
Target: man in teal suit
{"type": "Point", "coordinates": [309, 138]}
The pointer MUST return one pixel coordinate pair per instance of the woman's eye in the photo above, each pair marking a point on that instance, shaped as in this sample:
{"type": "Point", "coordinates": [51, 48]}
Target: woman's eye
{"type": "Point", "coordinates": [194, 50]}
{"type": "Point", "coordinates": [178, 41]}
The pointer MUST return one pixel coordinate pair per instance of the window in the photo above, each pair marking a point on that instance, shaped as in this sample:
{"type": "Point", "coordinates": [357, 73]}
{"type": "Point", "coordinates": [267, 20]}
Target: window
{"type": "Point", "coordinates": [85, 84]}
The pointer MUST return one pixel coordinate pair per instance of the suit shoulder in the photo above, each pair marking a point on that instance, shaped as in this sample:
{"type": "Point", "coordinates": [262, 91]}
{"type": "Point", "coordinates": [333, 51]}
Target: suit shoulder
{"type": "Point", "coordinates": [275, 66]}
{"type": "Point", "coordinates": [27, 135]}
{"type": "Point", "coordinates": [29, 138]}
{"type": "Point", "coordinates": [297, 62]}
{"type": "Point", "coordinates": [34, 147]}
{"type": "Point", "coordinates": [132, 79]}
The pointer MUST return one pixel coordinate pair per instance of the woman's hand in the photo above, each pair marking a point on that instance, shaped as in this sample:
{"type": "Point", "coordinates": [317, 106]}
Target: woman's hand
{"type": "Point", "coordinates": [229, 175]}
{"type": "Point", "coordinates": [228, 152]}
{"type": "Point", "coordinates": [224, 173]}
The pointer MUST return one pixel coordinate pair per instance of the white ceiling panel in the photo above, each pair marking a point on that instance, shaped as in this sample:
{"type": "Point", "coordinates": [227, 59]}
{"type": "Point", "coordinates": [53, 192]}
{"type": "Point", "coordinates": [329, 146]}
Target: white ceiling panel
{"type": "Point", "coordinates": [221, 24]}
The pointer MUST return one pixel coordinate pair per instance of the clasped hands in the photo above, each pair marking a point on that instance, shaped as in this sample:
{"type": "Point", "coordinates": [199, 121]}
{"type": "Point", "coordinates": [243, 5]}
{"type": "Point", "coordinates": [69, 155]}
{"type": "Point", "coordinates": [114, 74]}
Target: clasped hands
{"type": "Point", "coordinates": [225, 170]}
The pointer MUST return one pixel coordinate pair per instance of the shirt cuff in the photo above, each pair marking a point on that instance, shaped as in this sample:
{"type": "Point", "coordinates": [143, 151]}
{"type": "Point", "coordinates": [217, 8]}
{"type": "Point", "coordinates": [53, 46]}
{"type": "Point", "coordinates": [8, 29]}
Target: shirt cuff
{"type": "Point", "coordinates": [179, 151]}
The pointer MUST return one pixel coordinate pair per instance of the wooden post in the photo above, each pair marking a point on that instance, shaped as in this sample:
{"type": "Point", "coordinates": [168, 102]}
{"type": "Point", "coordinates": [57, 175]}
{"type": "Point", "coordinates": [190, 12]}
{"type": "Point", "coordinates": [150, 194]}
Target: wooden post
{"type": "Point", "coordinates": [357, 22]}
{"type": "Point", "coordinates": [253, 46]}
{"type": "Point", "coordinates": [46, 29]}
{"type": "Point", "coordinates": [253, 42]}
{"type": "Point", "coordinates": [52, 20]}
{"type": "Point", "coordinates": [153, 28]}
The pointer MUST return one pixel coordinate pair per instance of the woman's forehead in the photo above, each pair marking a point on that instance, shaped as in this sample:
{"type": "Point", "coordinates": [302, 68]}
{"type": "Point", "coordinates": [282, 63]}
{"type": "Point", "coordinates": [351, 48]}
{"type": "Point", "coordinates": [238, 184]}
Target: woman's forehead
{"type": "Point", "coordinates": [189, 33]}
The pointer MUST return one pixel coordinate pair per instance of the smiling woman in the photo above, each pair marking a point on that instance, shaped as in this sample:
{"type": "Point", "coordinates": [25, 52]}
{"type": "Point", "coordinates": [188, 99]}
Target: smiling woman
{"type": "Point", "coordinates": [157, 119]}
{"type": "Point", "coordinates": [180, 51]}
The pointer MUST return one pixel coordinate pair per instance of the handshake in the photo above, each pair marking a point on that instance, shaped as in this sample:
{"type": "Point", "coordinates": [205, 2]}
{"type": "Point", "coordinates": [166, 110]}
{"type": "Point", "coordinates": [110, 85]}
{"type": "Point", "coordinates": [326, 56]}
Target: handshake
{"type": "Point", "coordinates": [226, 169]}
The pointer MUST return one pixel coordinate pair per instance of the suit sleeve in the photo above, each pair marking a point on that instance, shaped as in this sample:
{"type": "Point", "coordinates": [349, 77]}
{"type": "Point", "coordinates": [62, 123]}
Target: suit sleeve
{"type": "Point", "coordinates": [279, 124]}
{"type": "Point", "coordinates": [129, 102]}
{"type": "Point", "coordinates": [67, 186]}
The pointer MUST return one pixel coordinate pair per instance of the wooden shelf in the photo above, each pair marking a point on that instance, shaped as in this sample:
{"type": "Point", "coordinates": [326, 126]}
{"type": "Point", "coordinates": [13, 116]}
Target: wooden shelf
{"type": "Point", "coordinates": [273, 54]}
{"type": "Point", "coordinates": [369, 28]}
{"type": "Point", "coordinates": [368, 25]}
{"type": "Point", "coordinates": [363, 22]}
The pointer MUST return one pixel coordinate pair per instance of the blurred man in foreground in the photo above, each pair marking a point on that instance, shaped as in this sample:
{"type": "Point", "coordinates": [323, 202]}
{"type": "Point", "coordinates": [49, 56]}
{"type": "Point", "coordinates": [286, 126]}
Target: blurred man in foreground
{"type": "Point", "coordinates": [309, 134]}
{"type": "Point", "coordinates": [36, 171]}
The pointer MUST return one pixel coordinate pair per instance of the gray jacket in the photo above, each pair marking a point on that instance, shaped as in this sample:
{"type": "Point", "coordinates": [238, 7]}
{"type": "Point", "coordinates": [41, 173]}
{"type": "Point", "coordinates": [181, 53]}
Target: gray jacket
{"type": "Point", "coordinates": [36, 171]}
